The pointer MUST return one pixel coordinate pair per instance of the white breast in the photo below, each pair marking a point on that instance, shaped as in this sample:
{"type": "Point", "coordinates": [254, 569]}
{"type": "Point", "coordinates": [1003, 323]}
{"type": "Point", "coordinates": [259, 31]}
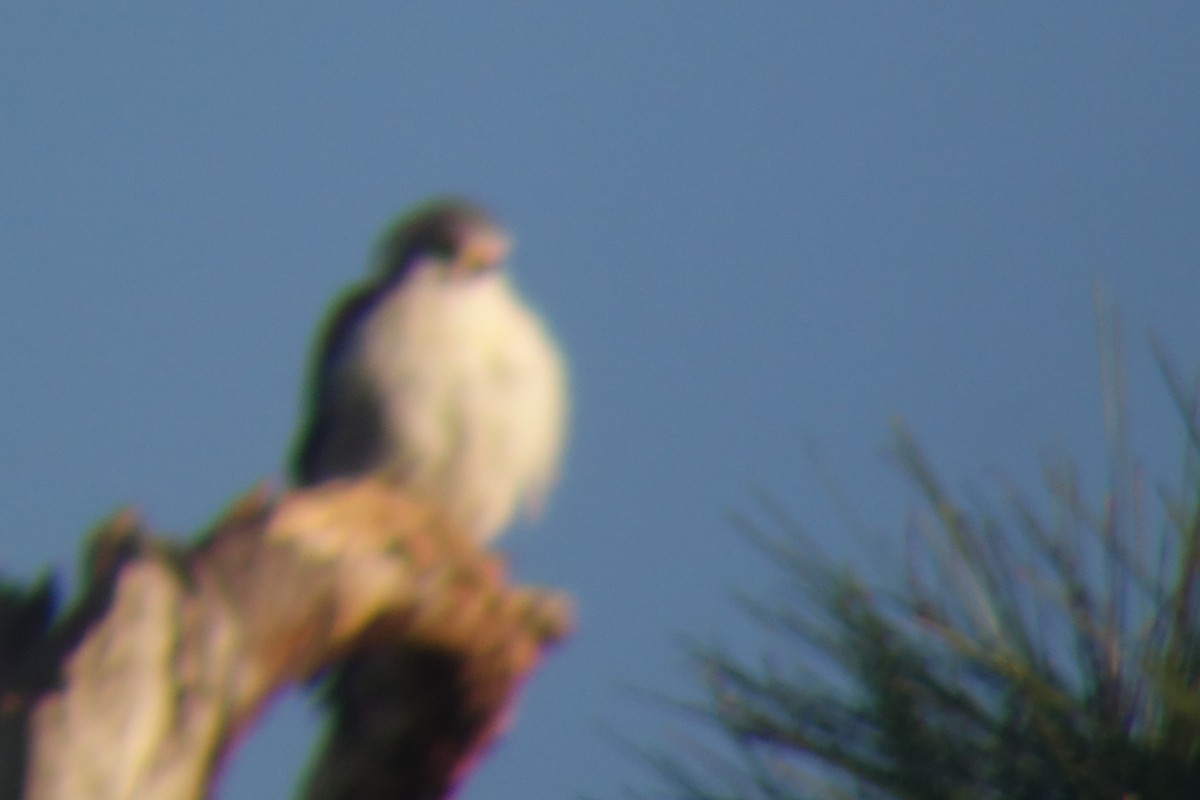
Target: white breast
{"type": "Point", "coordinates": [474, 396]}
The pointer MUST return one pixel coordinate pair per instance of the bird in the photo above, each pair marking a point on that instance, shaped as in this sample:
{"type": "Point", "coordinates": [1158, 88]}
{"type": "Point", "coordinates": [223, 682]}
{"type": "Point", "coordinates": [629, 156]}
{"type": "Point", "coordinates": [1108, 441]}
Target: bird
{"type": "Point", "coordinates": [435, 375]}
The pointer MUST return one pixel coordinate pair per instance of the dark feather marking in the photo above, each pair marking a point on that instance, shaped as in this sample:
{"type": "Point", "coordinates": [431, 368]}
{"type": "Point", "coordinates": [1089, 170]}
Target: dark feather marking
{"type": "Point", "coordinates": [338, 335]}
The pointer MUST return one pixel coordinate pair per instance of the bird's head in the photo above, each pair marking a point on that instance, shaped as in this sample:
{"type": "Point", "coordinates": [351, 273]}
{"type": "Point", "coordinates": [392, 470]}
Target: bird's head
{"type": "Point", "coordinates": [452, 236]}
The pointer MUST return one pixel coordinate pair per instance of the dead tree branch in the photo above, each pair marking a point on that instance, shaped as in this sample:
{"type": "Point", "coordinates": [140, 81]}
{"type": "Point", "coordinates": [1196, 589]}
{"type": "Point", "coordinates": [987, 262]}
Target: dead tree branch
{"type": "Point", "coordinates": [172, 653]}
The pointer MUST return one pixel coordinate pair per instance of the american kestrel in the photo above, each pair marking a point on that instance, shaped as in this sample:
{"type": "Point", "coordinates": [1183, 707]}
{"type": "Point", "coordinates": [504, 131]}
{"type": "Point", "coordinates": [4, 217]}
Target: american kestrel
{"type": "Point", "coordinates": [436, 375]}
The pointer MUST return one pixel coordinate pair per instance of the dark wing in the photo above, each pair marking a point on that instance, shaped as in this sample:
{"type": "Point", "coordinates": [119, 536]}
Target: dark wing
{"type": "Point", "coordinates": [310, 461]}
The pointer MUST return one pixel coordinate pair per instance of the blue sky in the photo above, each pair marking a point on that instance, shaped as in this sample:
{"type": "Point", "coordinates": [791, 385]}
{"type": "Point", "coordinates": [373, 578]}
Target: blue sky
{"type": "Point", "coordinates": [750, 225]}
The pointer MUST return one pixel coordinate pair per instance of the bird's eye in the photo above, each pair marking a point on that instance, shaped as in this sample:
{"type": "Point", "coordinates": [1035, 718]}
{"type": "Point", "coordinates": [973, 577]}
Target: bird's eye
{"type": "Point", "coordinates": [443, 252]}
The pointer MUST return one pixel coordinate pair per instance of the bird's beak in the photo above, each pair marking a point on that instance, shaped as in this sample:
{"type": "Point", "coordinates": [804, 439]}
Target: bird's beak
{"type": "Point", "coordinates": [484, 251]}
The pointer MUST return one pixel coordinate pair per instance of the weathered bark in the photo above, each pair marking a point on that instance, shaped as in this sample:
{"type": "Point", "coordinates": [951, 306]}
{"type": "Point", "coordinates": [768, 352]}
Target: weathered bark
{"type": "Point", "coordinates": [171, 653]}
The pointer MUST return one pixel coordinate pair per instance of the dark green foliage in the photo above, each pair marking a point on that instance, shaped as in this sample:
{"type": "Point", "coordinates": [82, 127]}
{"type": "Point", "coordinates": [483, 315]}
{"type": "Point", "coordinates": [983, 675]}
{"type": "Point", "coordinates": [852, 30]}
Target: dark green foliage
{"type": "Point", "coordinates": [1035, 652]}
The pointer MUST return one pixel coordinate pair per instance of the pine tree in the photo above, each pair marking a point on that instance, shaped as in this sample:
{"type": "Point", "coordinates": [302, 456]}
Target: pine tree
{"type": "Point", "coordinates": [1027, 654]}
